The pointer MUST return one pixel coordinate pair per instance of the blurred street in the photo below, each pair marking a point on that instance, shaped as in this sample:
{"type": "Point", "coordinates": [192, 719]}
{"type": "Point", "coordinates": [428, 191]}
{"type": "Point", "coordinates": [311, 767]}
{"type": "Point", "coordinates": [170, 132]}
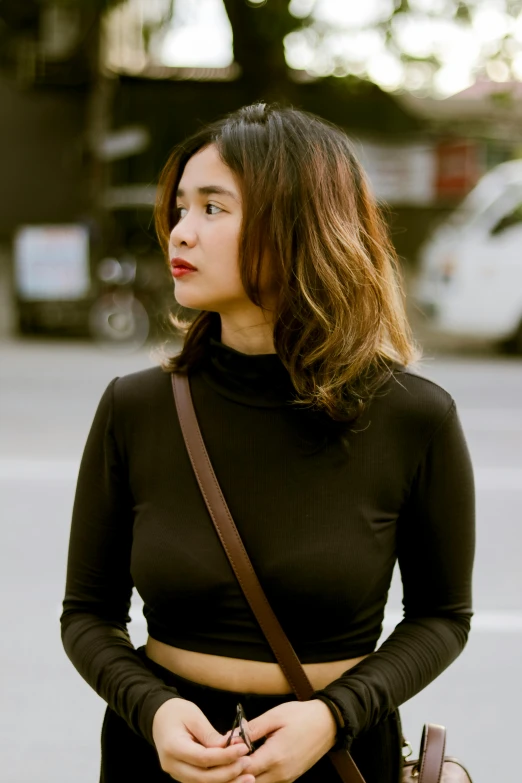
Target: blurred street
{"type": "Point", "coordinates": [51, 719]}
{"type": "Point", "coordinates": [94, 99]}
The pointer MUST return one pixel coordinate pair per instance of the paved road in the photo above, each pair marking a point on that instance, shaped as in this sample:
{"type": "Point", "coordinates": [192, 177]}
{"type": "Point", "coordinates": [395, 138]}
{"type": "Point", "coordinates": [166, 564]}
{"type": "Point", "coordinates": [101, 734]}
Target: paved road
{"type": "Point", "coordinates": [50, 718]}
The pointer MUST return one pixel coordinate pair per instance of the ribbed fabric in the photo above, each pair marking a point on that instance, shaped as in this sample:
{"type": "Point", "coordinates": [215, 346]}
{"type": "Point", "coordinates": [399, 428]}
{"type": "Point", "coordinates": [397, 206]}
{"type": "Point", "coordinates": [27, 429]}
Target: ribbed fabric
{"type": "Point", "coordinates": [323, 522]}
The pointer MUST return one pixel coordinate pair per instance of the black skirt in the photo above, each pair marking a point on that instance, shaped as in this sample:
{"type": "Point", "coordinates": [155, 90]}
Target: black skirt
{"type": "Point", "coordinates": [127, 756]}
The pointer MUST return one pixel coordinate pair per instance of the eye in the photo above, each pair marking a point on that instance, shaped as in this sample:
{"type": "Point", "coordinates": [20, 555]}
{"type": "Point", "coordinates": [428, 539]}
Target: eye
{"type": "Point", "coordinates": [213, 206]}
{"type": "Point", "coordinates": [179, 212]}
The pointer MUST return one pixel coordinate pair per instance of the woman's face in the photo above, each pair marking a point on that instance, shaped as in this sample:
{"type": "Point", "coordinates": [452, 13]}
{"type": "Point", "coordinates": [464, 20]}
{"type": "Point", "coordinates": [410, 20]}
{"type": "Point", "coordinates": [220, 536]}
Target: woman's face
{"type": "Point", "coordinates": [207, 236]}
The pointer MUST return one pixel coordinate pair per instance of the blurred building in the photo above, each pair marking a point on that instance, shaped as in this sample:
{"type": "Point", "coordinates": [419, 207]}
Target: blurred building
{"type": "Point", "coordinates": [89, 118]}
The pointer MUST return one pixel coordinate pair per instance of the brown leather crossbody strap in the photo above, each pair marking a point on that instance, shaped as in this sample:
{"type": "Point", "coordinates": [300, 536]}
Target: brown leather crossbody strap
{"type": "Point", "coordinates": [242, 566]}
{"type": "Point", "coordinates": [433, 746]}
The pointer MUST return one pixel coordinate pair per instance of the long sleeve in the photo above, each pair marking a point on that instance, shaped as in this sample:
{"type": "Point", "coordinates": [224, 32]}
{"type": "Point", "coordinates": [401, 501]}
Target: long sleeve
{"type": "Point", "coordinates": [99, 585]}
{"type": "Point", "coordinates": [435, 549]}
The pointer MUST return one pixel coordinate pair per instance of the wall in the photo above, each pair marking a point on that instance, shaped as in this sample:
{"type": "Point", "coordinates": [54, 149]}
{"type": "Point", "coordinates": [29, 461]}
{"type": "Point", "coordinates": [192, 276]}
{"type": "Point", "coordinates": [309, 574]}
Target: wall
{"type": "Point", "coordinates": [41, 154]}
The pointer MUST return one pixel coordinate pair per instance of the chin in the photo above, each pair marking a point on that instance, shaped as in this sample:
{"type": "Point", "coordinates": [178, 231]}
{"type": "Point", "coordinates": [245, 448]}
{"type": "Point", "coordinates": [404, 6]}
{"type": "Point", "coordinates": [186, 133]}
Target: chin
{"type": "Point", "coordinates": [193, 302]}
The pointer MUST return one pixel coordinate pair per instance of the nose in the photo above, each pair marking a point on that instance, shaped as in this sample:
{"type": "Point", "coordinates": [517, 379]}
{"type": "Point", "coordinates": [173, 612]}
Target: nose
{"type": "Point", "coordinates": [184, 233]}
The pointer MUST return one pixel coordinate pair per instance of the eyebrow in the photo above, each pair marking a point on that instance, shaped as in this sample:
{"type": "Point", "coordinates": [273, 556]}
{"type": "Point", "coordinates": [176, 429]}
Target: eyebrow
{"type": "Point", "coordinates": [208, 190]}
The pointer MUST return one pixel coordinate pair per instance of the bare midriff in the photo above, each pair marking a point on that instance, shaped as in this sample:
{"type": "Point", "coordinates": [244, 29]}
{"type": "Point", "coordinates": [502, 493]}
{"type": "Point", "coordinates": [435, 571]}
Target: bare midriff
{"type": "Point", "coordinates": [238, 674]}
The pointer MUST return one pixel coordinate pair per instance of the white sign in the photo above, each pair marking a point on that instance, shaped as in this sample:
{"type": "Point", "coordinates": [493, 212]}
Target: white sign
{"type": "Point", "coordinates": [52, 262]}
{"type": "Point", "coordinates": [400, 173]}
{"type": "Point", "coordinates": [123, 142]}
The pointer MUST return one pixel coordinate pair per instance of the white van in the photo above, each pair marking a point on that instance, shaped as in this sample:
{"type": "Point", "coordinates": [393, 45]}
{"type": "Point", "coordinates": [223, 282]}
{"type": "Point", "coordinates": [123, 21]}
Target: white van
{"type": "Point", "coordinates": [469, 281]}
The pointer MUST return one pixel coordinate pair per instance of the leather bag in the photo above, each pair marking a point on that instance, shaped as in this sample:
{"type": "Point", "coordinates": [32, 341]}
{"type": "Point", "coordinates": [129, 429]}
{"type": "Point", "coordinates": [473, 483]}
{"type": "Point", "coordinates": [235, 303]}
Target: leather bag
{"type": "Point", "coordinates": [431, 766]}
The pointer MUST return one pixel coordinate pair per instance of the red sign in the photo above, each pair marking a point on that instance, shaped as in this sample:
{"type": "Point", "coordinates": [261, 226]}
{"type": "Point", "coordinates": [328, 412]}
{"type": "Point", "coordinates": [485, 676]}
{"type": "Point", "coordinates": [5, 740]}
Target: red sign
{"type": "Point", "coordinates": [459, 167]}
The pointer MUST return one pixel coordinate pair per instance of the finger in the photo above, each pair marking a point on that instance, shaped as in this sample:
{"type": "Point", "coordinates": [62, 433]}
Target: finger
{"type": "Point", "coordinates": [266, 757]}
{"type": "Point", "coordinates": [221, 774]}
{"type": "Point", "coordinates": [205, 734]}
{"type": "Point", "coordinates": [266, 777]}
{"type": "Point", "coordinates": [212, 738]}
{"type": "Point", "coordinates": [264, 725]}
{"type": "Point", "coordinates": [220, 740]}
{"type": "Point", "coordinates": [236, 737]}
{"type": "Point", "coordinates": [192, 752]}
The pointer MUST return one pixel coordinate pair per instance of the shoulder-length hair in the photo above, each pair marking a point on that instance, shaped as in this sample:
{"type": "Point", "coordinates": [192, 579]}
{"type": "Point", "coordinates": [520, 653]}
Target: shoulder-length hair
{"type": "Point", "coordinates": [340, 323]}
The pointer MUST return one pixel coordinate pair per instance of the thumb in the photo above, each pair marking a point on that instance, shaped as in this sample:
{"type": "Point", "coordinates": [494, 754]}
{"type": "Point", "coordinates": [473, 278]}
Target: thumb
{"type": "Point", "coordinates": [212, 738]}
{"type": "Point", "coordinates": [262, 726]}
{"type": "Point", "coordinates": [204, 732]}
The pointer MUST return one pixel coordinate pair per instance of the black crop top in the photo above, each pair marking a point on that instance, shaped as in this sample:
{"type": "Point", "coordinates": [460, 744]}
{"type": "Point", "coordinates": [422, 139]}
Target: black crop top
{"type": "Point", "coordinates": [323, 521]}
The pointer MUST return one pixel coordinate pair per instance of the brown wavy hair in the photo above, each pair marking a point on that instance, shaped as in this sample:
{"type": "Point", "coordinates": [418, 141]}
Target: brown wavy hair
{"type": "Point", "coordinates": [340, 325]}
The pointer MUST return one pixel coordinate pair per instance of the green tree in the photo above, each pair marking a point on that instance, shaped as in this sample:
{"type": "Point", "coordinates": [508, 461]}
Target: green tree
{"type": "Point", "coordinates": [260, 26]}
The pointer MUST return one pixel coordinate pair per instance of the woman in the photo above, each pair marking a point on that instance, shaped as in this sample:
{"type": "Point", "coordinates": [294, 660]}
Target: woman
{"type": "Point", "coordinates": [335, 459]}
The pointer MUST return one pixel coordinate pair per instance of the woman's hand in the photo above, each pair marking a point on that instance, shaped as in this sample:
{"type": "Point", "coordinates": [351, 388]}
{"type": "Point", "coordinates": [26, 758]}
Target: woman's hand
{"type": "Point", "coordinates": [190, 750]}
{"type": "Point", "coordinates": [298, 735]}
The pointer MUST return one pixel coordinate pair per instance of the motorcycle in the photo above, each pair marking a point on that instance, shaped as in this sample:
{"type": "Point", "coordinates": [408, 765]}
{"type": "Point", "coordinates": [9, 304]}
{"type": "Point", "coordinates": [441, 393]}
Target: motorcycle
{"type": "Point", "coordinates": [119, 318]}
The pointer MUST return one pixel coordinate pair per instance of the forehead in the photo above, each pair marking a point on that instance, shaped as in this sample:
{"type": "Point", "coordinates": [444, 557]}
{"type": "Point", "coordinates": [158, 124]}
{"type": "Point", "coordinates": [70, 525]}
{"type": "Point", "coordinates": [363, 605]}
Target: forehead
{"type": "Point", "coordinates": [206, 168]}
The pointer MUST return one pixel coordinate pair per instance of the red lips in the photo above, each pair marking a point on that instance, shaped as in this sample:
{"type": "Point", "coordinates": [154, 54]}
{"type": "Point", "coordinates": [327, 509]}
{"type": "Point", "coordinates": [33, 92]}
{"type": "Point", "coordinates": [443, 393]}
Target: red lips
{"type": "Point", "coordinates": [181, 263]}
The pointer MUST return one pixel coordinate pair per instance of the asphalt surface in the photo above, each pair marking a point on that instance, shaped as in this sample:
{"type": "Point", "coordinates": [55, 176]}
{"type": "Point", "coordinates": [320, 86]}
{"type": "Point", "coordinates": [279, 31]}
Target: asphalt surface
{"type": "Point", "coordinates": [51, 719]}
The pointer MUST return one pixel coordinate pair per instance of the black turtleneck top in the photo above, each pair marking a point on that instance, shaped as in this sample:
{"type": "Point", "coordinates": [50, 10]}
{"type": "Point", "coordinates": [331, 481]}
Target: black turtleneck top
{"type": "Point", "coordinates": [323, 518]}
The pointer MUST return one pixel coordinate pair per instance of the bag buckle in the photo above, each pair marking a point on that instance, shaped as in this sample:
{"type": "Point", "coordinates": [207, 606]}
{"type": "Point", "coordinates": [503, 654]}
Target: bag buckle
{"type": "Point", "coordinates": [406, 746]}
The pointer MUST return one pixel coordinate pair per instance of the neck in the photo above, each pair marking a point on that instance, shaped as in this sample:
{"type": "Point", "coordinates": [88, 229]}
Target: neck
{"type": "Point", "coordinates": [251, 333]}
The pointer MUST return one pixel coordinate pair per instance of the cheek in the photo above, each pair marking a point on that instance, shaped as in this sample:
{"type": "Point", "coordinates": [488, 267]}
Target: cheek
{"type": "Point", "coordinates": [223, 244]}
{"type": "Point", "coordinates": [227, 236]}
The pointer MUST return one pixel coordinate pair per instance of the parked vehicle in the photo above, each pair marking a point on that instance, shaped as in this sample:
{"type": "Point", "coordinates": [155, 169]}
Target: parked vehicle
{"type": "Point", "coordinates": [104, 280]}
{"type": "Point", "coordinates": [469, 281]}
{"type": "Point", "coordinates": [118, 317]}
{"type": "Point", "coordinates": [52, 278]}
